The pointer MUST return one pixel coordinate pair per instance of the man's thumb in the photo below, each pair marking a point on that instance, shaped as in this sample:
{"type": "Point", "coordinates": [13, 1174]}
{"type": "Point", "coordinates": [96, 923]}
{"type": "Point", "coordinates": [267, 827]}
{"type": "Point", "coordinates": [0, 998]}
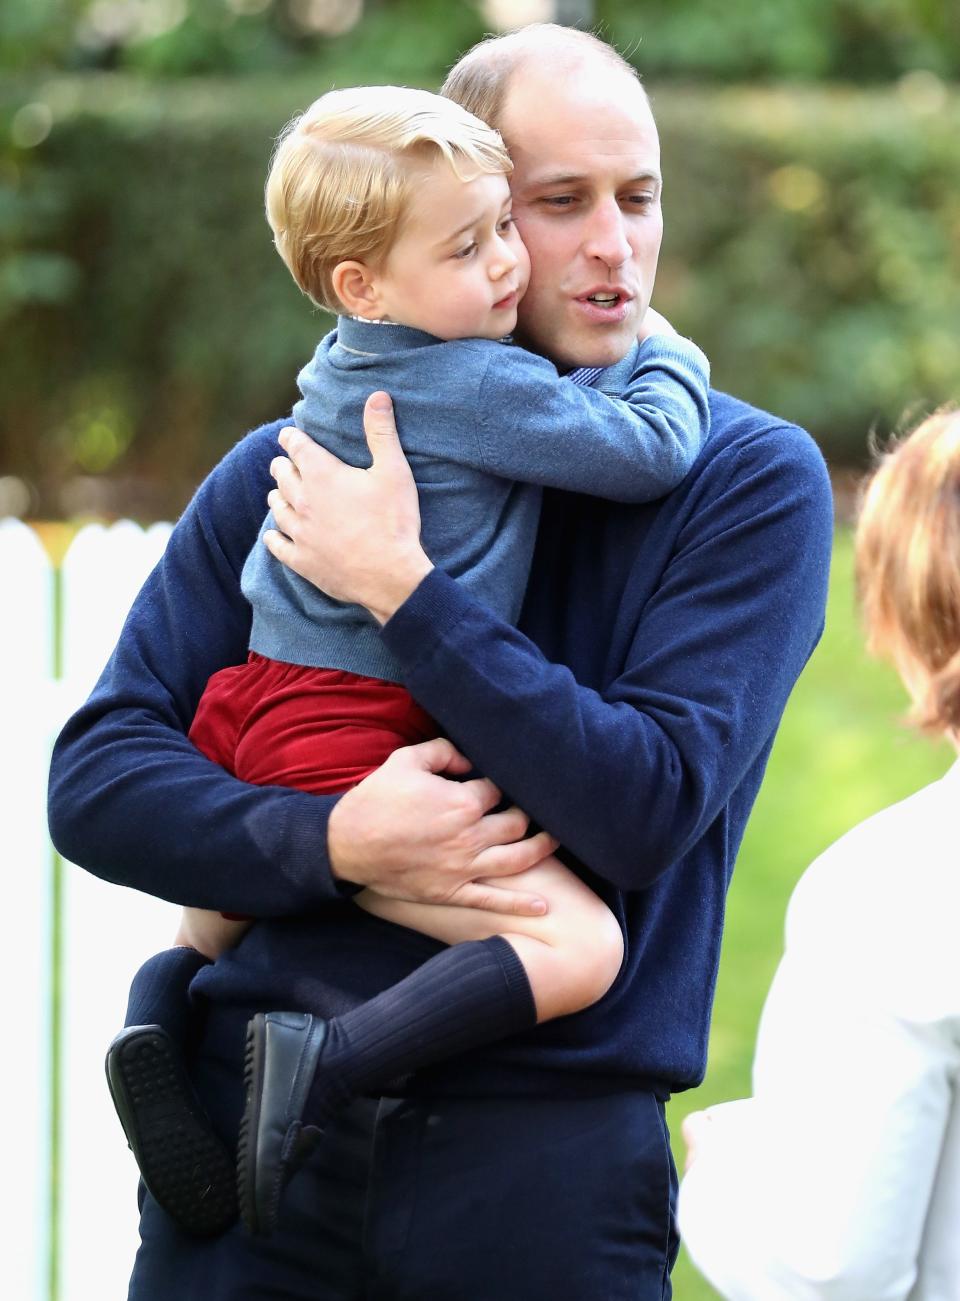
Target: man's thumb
{"type": "Point", "coordinates": [379, 424]}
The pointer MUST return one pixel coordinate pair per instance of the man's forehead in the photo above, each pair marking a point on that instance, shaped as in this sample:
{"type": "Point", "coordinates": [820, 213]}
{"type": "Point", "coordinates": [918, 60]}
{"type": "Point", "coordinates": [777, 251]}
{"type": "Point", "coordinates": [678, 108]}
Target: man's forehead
{"type": "Point", "coordinates": [596, 112]}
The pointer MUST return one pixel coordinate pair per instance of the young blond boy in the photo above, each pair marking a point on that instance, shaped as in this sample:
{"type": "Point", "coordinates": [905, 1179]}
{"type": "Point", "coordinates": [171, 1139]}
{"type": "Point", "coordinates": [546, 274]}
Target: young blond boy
{"type": "Point", "coordinates": [392, 207]}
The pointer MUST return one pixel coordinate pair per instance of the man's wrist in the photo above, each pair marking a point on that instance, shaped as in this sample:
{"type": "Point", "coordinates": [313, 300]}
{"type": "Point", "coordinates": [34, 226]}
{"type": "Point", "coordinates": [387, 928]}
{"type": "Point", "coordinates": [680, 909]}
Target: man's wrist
{"type": "Point", "coordinates": [399, 585]}
{"type": "Point", "coordinates": [338, 855]}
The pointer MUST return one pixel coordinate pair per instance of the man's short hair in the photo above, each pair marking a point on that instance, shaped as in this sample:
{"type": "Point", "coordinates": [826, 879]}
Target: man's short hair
{"type": "Point", "coordinates": [480, 78]}
{"type": "Point", "coordinates": [343, 172]}
{"type": "Point", "coordinates": [908, 566]}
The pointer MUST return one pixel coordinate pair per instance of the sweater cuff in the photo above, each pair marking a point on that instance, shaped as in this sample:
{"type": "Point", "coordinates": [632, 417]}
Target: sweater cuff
{"type": "Point", "coordinates": [659, 348]}
{"type": "Point", "coordinates": [424, 619]}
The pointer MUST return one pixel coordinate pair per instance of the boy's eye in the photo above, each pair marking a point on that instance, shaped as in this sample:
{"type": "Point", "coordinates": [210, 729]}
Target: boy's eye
{"type": "Point", "coordinates": [467, 251]}
{"type": "Point", "coordinates": [504, 224]}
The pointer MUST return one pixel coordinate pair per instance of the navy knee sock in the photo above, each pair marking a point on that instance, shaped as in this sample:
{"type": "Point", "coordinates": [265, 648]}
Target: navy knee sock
{"type": "Point", "coordinates": [470, 994]}
{"type": "Point", "coordinates": [159, 992]}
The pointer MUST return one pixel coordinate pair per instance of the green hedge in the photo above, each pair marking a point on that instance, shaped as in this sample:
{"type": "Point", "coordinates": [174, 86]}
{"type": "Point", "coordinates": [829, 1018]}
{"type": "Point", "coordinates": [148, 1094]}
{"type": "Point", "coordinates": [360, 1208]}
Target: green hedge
{"type": "Point", "coordinates": [812, 248]}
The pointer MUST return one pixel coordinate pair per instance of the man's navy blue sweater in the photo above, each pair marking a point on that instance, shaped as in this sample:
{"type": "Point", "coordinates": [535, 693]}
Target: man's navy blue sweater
{"type": "Point", "coordinates": [631, 714]}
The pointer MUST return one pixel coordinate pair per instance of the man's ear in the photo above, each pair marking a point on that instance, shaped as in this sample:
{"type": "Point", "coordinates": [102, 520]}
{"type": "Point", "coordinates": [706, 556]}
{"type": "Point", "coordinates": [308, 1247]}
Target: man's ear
{"type": "Point", "coordinates": [355, 284]}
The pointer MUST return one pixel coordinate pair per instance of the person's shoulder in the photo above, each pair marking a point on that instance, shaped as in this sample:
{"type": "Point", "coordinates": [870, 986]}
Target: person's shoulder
{"type": "Point", "coordinates": [241, 478]}
{"type": "Point", "coordinates": [880, 902]}
{"type": "Point", "coordinates": [255, 450]}
{"type": "Point", "coordinates": [755, 452]}
{"type": "Point", "coordinates": [738, 427]}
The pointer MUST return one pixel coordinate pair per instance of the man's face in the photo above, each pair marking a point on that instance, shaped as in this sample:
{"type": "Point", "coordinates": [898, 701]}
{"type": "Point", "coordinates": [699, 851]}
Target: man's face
{"type": "Point", "coordinates": [586, 198]}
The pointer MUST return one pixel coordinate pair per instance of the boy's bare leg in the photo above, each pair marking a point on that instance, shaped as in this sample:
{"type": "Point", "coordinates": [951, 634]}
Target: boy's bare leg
{"type": "Point", "coordinates": [210, 933]}
{"type": "Point", "coordinates": [571, 954]}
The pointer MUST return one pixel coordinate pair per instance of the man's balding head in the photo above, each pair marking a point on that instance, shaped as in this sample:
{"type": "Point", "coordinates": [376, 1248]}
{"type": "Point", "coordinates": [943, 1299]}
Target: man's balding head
{"type": "Point", "coordinates": [479, 80]}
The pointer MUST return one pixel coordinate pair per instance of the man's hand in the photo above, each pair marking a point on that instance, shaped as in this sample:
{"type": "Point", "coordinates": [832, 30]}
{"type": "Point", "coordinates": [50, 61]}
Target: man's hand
{"type": "Point", "coordinates": [353, 533]}
{"type": "Point", "coordinates": [409, 832]}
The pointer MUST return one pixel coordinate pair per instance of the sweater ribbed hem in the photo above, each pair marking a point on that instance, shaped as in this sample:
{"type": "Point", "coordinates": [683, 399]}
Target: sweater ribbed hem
{"type": "Point", "coordinates": [350, 647]}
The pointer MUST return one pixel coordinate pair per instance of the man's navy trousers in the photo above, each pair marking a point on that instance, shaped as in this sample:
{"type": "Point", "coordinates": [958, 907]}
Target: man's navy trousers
{"type": "Point", "coordinates": [459, 1199]}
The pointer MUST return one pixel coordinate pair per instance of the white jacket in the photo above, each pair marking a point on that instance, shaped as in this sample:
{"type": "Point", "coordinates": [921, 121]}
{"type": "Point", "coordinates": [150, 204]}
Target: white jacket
{"type": "Point", "coordinates": [839, 1180]}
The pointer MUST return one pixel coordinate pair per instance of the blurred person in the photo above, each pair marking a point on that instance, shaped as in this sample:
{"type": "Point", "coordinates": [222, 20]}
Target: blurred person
{"type": "Point", "coordinates": [840, 1177]}
{"type": "Point", "coordinates": [391, 206]}
{"type": "Point", "coordinates": [631, 712]}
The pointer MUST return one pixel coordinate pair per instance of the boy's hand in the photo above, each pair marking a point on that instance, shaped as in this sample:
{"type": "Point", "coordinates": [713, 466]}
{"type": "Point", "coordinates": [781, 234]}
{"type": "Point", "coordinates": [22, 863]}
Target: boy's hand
{"type": "Point", "coordinates": [653, 323]}
{"type": "Point", "coordinates": [408, 832]}
{"type": "Point", "coordinates": [355, 534]}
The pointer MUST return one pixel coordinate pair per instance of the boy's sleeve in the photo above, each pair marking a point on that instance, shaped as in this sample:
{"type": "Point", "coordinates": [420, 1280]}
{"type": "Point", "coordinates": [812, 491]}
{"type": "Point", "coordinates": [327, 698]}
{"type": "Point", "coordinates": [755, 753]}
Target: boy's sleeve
{"type": "Point", "coordinates": [631, 778]}
{"type": "Point", "coordinates": [535, 427]}
{"type": "Point", "coordinates": [130, 797]}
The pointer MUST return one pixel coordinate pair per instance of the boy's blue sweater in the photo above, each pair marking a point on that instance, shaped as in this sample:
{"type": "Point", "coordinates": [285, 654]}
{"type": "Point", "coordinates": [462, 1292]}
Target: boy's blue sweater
{"type": "Point", "coordinates": [484, 427]}
{"type": "Point", "coordinates": [631, 713]}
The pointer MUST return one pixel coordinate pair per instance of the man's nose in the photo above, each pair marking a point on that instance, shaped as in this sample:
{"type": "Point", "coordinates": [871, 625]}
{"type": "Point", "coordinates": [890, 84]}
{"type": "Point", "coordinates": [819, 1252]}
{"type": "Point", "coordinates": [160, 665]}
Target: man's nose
{"type": "Point", "coordinates": [606, 236]}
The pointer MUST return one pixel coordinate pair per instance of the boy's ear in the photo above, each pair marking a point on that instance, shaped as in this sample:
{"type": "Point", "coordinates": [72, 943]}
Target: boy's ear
{"type": "Point", "coordinates": [355, 284]}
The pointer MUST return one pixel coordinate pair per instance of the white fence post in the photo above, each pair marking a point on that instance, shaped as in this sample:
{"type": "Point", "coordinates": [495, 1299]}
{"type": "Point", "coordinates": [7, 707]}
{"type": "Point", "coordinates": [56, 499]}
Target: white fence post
{"type": "Point", "coordinates": [107, 933]}
{"type": "Point", "coordinates": [26, 666]}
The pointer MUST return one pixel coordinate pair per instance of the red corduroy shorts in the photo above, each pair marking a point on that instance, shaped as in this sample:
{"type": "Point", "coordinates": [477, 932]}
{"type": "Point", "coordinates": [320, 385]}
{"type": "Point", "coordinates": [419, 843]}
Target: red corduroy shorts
{"type": "Point", "coordinates": [317, 730]}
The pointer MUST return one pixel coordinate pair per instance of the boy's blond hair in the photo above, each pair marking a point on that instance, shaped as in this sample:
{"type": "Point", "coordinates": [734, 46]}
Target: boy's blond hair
{"type": "Point", "coordinates": [343, 172]}
{"type": "Point", "coordinates": [908, 567]}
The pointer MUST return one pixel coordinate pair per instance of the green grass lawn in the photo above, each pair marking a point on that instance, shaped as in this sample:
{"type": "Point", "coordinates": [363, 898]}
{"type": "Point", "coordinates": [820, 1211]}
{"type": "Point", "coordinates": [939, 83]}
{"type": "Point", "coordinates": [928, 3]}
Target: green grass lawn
{"type": "Point", "coordinates": [841, 754]}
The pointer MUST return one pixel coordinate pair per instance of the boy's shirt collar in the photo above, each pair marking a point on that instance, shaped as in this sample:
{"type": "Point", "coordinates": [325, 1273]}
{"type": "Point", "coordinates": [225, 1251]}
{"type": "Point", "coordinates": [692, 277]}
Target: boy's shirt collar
{"type": "Point", "coordinates": [374, 337]}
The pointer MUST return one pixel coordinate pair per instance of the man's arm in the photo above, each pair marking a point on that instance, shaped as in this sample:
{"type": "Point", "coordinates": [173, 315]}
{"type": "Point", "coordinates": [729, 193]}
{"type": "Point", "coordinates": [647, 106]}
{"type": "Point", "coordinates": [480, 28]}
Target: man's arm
{"type": "Point", "coordinates": [132, 800]}
{"type": "Point", "coordinates": [630, 779]}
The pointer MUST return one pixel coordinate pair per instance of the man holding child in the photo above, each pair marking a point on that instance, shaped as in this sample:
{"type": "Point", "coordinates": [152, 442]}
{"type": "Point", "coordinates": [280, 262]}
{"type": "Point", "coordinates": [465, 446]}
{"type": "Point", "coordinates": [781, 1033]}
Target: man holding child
{"type": "Point", "coordinates": [630, 716]}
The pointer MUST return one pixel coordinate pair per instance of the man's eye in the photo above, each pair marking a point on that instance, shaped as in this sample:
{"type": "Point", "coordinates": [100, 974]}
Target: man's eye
{"type": "Point", "coordinates": [643, 200]}
{"type": "Point", "coordinates": [468, 250]}
{"type": "Point", "coordinates": [559, 200]}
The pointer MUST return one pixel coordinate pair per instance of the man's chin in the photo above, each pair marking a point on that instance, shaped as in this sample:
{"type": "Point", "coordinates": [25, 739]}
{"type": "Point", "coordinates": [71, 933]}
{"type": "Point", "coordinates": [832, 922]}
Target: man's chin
{"type": "Point", "coordinates": [593, 346]}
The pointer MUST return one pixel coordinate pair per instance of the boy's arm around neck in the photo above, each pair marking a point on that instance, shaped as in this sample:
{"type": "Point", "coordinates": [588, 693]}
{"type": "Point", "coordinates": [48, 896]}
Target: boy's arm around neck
{"type": "Point", "coordinates": [130, 798]}
{"type": "Point", "coordinates": [633, 447]}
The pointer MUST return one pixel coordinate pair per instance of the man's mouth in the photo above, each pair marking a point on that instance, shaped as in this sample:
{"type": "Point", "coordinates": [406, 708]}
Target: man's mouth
{"type": "Point", "coordinates": [606, 297]}
{"type": "Point", "coordinates": [610, 304]}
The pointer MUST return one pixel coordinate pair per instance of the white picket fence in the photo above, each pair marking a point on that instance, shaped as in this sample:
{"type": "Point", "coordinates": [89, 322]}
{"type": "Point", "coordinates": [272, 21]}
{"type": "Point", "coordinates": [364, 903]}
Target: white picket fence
{"type": "Point", "coordinates": [69, 1224]}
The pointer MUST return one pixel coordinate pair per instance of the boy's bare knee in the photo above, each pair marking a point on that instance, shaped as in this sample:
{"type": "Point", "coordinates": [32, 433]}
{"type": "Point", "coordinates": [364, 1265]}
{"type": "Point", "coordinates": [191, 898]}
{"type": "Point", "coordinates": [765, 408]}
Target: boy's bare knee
{"type": "Point", "coordinates": [588, 955]}
{"type": "Point", "coordinates": [602, 956]}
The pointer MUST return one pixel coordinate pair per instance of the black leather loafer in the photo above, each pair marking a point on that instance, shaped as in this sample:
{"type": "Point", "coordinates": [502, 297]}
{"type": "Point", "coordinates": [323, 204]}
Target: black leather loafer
{"type": "Point", "coordinates": [281, 1058]}
{"type": "Point", "coordinates": [186, 1168]}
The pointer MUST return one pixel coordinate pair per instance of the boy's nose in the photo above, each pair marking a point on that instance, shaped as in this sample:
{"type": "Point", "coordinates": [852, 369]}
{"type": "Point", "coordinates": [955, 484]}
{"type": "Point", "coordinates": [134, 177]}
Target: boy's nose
{"type": "Point", "coordinates": [504, 261]}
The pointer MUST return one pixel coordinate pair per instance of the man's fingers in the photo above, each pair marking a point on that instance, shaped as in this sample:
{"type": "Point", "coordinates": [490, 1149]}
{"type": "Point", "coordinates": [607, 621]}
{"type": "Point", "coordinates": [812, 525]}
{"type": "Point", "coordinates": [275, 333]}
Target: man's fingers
{"type": "Point", "coordinates": [483, 791]}
{"type": "Point", "coordinates": [282, 468]}
{"type": "Point", "coordinates": [438, 756]}
{"type": "Point", "coordinates": [506, 827]}
{"type": "Point", "coordinates": [283, 512]}
{"type": "Point", "coordinates": [279, 547]}
{"type": "Point", "coordinates": [492, 899]}
{"type": "Point", "coordinates": [508, 860]}
{"type": "Point", "coordinates": [294, 442]}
